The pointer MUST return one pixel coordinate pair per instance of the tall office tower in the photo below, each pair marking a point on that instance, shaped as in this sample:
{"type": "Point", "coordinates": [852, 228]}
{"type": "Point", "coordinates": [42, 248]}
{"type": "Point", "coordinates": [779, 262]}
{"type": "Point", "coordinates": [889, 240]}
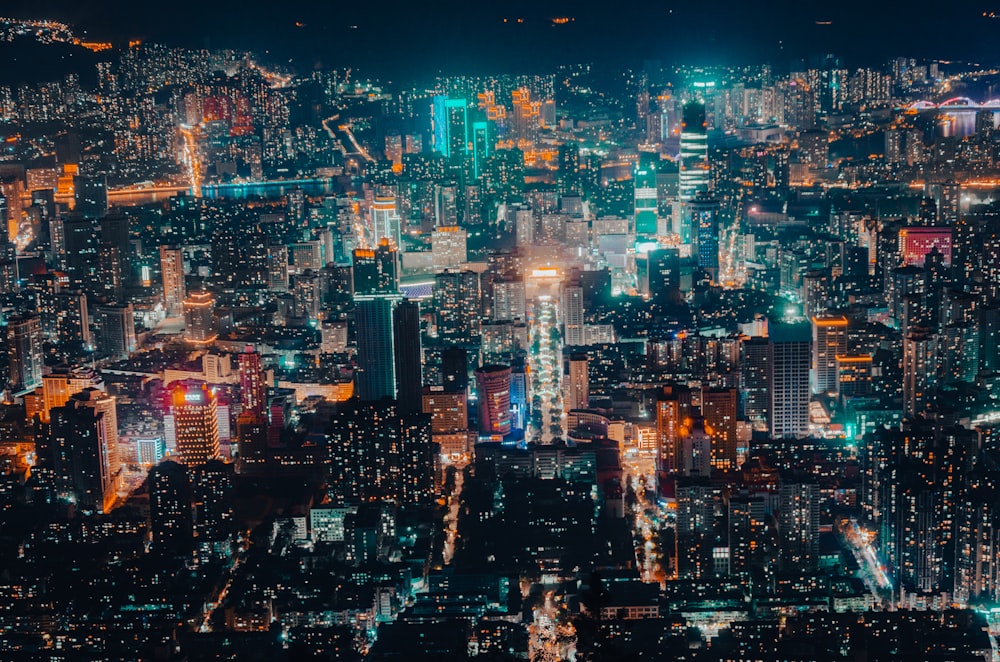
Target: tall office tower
{"type": "Point", "coordinates": [658, 273]}
{"type": "Point", "coordinates": [239, 256]}
{"type": "Point", "coordinates": [695, 448]}
{"type": "Point", "coordinates": [644, 179]}
{"type": "Point", "coordinates": [376, 271]}
{"type": "Point", "coordinates": [698, 502]}
{"type": "Point", "coordinates": [578, 382]}
{"type": "Point", "coordinates": [448, 247]}
{"type": "Point", "coordinates": [493, 396]}
{"type": "Point", "coordinates": [199, 318]}
{"type": "Point", "coordinates": [569, 178]}
{"type": "Point", "coordinates": [114, 331]}
{"type": "Point", "coordinates": [376, 292]}
{"type": "Point", "coordinates": [701, 227]}
{"type": "Point", "coordinates": [450, 126]}
{"type": "Point", "coordinates": [211, 487]}
{"type": "Point", "coordinates": [24, 352]}
{"type": "Point", "coordinates": [755, 381]}
{"type": "Point", "coordinates": [920, 371]}
{"type": "Point", "coordinates": [829, 338]}
{"type": "Point", "coordinates": [82, 245]}
{"type": "Point", "coordinates": [379, 454]}
{"type": "Point", "coordinates": [789, 357]}
{"type": "Point", "coordinates": [277, 268]}
{"type": "Point", "coordinates": [798, 525]}
{"type": "Point", "coordinates": [694, 169]}
{"type": "Point", "coordinates": [307, 296]}
{"type": "Point", "coordinates": [196, 422]}
{"type": "Point", "coordinates": [671, 410]}
{"type": "Point", "coordinates": [385, 220]}
{"type": "Point", "coordinates": [253, 384]}
{"type": "Point", "coordinates": [62, 383]}
{"type": "Point", "coordinates": [409, 380]}
{"type": "Point", "coordinates": [85, 432]}
{"type": "Point", "coordinates": [482, 140]}
{"type": "Point", "coordinates": [457, 302]}
{"type": "Point", "coordinates": [113, 257]}
{"type": "Point", "coordinates": [573, 314]}
{"type": "Point", "coordinates": [455, 369]}
{"type": "Point", "coordinates": [172, 268]}
{"type": "Point", "coordinates": [720, 410]}
{"type": "Point", "coordinates": [376, 372]}
{"type": "Point", "coordinates": [508, 300]}
{"type": "Point", "coordinates": [171, 516]}
{"type": "Point", "coordinates": [91, 195]}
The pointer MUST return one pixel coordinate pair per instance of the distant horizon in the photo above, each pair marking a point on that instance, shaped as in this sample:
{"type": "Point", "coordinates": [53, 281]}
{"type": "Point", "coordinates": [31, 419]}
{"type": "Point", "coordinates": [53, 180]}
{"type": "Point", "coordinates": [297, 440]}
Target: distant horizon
{"type": "Point", "coordinates": [414, 42]}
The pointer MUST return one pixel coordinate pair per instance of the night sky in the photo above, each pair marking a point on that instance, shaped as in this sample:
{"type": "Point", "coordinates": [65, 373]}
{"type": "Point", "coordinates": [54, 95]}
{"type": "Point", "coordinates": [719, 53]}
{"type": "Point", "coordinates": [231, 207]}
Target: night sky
{"type": "Point", "coordinates": [421, 38]}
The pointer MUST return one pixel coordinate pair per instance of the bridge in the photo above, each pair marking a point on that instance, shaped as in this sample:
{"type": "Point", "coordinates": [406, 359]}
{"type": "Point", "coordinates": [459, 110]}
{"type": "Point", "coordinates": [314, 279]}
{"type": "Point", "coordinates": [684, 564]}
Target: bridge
{"type": "Point", "coordinates": [955, 103]}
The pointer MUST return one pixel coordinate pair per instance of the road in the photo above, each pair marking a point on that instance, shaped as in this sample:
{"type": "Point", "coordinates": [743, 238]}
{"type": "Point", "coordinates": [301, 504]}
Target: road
{"type": "Point", "coordinates": [451, 519]}
{"type": "Point", "coordinates": [545, 363]}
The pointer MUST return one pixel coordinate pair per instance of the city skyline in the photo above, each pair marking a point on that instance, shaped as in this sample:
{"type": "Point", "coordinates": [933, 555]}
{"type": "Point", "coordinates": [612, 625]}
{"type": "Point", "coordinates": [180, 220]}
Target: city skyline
{"type": "Point", "coordinates": [401, 332]}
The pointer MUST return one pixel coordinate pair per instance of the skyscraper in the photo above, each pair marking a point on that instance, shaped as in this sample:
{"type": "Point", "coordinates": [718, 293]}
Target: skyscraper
{"type": "Point", "coordinates": [798, 524]}
{"type": "Point", "coordinates": [24, 351]}
{"type": "Point", "coordinates": [170, 513]}
{"type": "Point", "coordinates": [702, 226]}
{"type": "Point", "coordinates": [829, 337]}
{"type": "Point", "coordinates": [114, 327]}
{"type": "Point", "coordinates": [493, 396]}
{"type": "Point", "coordinates": [196, 421]}
{"type": "Point", "coordinates": [172, 269]}
{"type": "Point", "coordinates": [719, 408]}
{"type": "Point", "coordinates": [755, 381]}
{"type": "Point", "coordinates": [85, 430]}
{"type": "Point", "coordinates": [409, 381]}
{"type": "Point", "coordinates": [253, 388]}
{"type": "Point", "coordinates": [385, 220]}
{"type": "Point", "coordinates": [199, 318]}
{"type": "Point", "coordinates": [91, 195]}
{"type": "Point", "coordinates": [578, 386]}
{"type": "Point", "coordinates": [694, 168]}
{"type": "Point", "coordinates": [789, 358]}
{"type": "Point", "coordinates": [457, 303]}
{"type": "Point", "coordinates": [376, 292]}
{"type": "Point", "coordinates": [644, 180]}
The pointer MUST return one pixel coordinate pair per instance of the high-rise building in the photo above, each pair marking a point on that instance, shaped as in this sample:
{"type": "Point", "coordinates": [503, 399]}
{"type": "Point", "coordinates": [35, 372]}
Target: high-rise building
{"type": "Point", "coordinates": [376, 292]}
{"type": "Point", "coordinates": [24, 352]}
{"type": "Point", "coordinates": [62, 383]}
{"type": "Point", "coordinates": [448, 247]}
{"type": "Point", "coordinates": [84, 436]}
{"type": "Point", "coordinates": [701, 226]}
{"type": "Point", "coordinates": [578, 382]}
{"type": "Point", "coordinates": [457, 303]}
{"type": "Point", "coordinates": [253, 386]}
{"type": "Point", "coordinates": [172, 269]}
{"type": "Point", "coordinates": [450, 126]}
{"type": "Point", "coordinates": [508, 300]}
{"type": "Point", "coordinates": [493, 398]}
{"type": "Point", "coordinates": [829, 338]}
{"type": "Point", "coordinates": [920, 371]}
{"type": "Point", "coordinates": [455, 369]}
{"type": "Point", "coordinates": [196, 422]}
{"type": "Point", "coordinates": [720, 408]}
{"type": "Point", "coordinates": [91, 195]}
{"type": "Point", "coordinates": [573, 314]}
{"type": "Point", "coordinates": [789, 358]}
{"type": "Point", "coordinates": [385, 221]}
{"type": "Point", "coordinates": [406, 345]}
{"type": "Point", "coordinates": [695, 448]}
{"type": "Point", "coordinates": [694, 168]}
{"type": "Point", "coordinates": [114, 327]}
{"type": "Point", "coordinates": [798, 525]}
{"type": "Point", "coordinates": [199, 318]}
{"type": "Point", "coordinates": [379, 454]}
{"type": "Point", "coordinates": [645, 207]}
{"type": "Point", "coordinates": [171, 515]}
{"type": "Point", "coordinates": [755, 381]}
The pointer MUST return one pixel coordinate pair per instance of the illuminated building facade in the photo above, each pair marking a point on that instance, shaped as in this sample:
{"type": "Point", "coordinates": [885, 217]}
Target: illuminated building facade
{"type": "Point", "coordinates": [196, 421]}
{"type": "Point", "coordinates": [493, 398]}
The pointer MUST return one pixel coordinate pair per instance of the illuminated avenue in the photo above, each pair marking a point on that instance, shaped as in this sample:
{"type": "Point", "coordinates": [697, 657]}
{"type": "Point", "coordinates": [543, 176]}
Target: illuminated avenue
{"type": "Point", "coordinates": [664, 361]}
